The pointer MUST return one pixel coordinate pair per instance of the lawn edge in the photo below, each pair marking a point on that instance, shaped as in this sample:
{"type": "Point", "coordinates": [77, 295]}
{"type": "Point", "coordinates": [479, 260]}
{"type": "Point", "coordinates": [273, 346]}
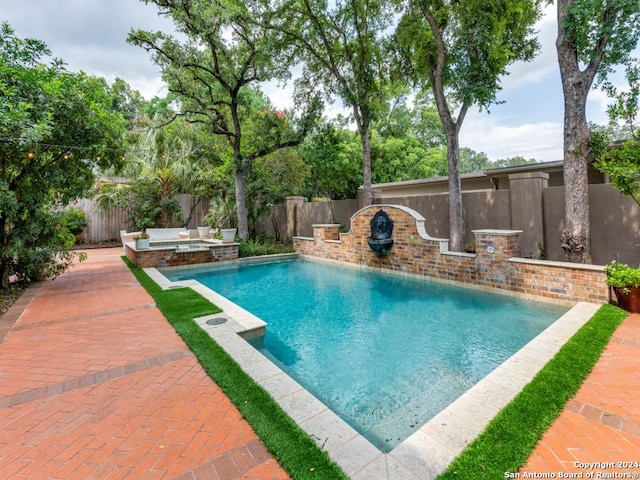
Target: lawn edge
{"type": "Point", "coordinates": [293, 448]}
{"type": "Point", "coordinates": [507, 442]}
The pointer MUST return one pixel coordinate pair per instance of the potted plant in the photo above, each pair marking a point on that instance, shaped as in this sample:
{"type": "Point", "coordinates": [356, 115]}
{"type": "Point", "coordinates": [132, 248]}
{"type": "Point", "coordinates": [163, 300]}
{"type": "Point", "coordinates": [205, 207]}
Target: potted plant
{"type": "Point", "coordinates": [221, 214]}
{"type": "Point", "coordinates": [625, 282]}
{"type": "Point", "coordinates": [142, 241]}
{"type": "Point", "coordinates": [203, 232]}
{"type": "Point", "coordinates": [228, 235]}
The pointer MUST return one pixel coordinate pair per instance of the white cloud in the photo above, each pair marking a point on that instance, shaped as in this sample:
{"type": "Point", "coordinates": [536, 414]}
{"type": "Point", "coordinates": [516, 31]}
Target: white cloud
{"type": "Point", "coordinates": [545, 63]}
{"type": "Point", "coordinates": [91, 36]}
{"type": "Point", "coordinates": [542, 141]}
{"type": "Point", "coordinates": [280, 94]}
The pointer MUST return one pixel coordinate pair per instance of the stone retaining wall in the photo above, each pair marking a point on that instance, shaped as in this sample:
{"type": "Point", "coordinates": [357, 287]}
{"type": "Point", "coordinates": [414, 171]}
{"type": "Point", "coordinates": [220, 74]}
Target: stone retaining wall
{"type": "Point", "coordinates": [495, 265]}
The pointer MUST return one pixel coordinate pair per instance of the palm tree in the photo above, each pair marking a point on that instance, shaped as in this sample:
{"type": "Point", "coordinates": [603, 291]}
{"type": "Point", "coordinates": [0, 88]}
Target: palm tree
{"type": "Point", "coordinates": [162, 164]}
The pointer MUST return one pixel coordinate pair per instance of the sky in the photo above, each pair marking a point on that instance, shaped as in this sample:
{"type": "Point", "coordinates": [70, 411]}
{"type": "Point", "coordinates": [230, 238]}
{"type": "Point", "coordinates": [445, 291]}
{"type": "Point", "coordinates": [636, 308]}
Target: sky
{"type": "Point", "coordinates": [90, 35]}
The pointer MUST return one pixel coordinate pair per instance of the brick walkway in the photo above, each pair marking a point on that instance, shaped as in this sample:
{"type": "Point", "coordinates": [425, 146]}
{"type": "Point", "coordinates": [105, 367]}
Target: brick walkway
{"type": "Point", "coordinates": [602, 423]}
{"type": "Point", "coordinates": [94, 383]}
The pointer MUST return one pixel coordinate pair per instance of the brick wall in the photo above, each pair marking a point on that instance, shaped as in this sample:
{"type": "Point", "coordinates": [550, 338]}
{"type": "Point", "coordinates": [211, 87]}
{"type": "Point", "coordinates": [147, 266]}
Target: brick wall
{"type": "Point", "coordinates": [495, 265]}
{"type": "Point", "coordinates": [170, 257]}
{"type": "Point", "coordinates": [560, 280]}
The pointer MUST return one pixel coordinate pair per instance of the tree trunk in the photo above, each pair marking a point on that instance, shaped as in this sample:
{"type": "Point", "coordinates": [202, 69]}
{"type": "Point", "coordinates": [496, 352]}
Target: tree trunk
{"type": "Point", "coordinates": [576, 235]}
{"type": "Point", "coordinates": [4, 275]}
{"type": "Point", "coordinates": [366, 167]}
{"type": "Point", "coordinates": [192, 210]}
{"type": "Point", "coordinates": [363, 122]}
{"type": "Point", "coordinates": [241, 205]}
{"type": "Point", "coordinates": [451, 132]}
{"type": "Point", "coordinates": [456, 217]}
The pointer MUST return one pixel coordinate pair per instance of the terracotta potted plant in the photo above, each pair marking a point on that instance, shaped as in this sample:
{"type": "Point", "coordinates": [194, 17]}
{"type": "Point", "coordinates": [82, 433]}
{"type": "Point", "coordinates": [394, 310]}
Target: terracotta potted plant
{"type": "Point", "coordinates": [625, 282]}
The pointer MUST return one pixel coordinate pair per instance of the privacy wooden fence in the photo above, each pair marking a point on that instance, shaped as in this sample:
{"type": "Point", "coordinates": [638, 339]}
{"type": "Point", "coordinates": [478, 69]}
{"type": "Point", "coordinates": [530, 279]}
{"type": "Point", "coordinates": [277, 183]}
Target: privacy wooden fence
{"type": "Point", "coordinates": [105, 226]}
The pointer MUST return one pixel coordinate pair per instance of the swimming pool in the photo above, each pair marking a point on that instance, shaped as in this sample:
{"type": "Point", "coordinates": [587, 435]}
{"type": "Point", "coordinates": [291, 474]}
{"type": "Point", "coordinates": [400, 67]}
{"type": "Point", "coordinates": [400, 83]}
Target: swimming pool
{"type": "Point", "coordinates": [384, 352]}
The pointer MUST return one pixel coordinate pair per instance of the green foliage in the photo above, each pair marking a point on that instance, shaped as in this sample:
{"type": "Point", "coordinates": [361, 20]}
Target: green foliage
{"type": "Point", "coordinates": [473, 162]}
{"type": "Point", "coordinates": [342, 47]}
{"type": "Point", "coordinates": [221, 213]}
{"type": "Point", "coordinates": [293, 448]}
{"type": "Point", "coordinates": [43, 247]}
{"type": "Point", "coordinates": [603, 33]}
{"type": "Point", "coordinates": [395, 159]}
{"type": "Point", "coordinates": [420, 120]}
{"type": "Point", "coordinates": [127, 101]}
{"type": "Point", "coordinates": [408, 143]}
{"type": "Point", "coordinates": [162, 163]}
{"type": "Point", "coordinates": [263, 246]}
{"type": "Point", "coordinates": [143, 201]}
{"type": "Point", "coordinates": [622, 276]}
{"type": "Point", "coordinates": [511, 162]}
{"type": "Point", "coordinates": [333, 158]}
{"type": "Point", "coordinates": [459, 51]}
{"type": "Point", "coordinates": [54, 126]}
{"type": "Point", "coordinates": [625, 108]}
{"type": "Point", "coordinates": [478, 40]}
{"type": "Point", "coordinates": [622, 164]}
{"type": "Point", "coordinates": [509, 439]}
{"type": "Point", "coordinates": [215, 73]}
{"type": "Point", "coordinates": [74, 220]}
{"type": "Point", "coordinates": [270, 180]}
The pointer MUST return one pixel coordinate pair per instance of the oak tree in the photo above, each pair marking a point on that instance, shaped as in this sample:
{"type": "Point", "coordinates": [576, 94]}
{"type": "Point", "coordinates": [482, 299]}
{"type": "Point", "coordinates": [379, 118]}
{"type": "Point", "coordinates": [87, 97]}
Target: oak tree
{"type": "Point", "coordinates": [593, 36]}
{"type": "Point", "coordinates": [459, 51]}
{"type": "Point", "coordinates": [214, 70]}
{"type": "Point", "coordinates": [343, 51]}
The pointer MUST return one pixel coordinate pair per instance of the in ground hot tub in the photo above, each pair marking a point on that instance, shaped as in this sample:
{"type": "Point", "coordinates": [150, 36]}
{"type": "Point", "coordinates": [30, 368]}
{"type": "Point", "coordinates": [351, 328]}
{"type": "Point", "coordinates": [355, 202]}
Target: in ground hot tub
{"type": "Point", "coordinates": [181, 252]}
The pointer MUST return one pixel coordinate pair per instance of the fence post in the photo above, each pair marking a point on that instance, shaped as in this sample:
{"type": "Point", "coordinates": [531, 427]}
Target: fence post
{"type": "Point", "coordinates": [292, 224]}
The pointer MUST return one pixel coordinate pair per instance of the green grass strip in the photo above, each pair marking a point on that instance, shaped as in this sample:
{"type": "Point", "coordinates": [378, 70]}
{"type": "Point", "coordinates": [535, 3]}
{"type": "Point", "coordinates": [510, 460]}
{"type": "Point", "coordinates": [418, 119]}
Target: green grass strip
{"type": "Point", "coordinates": [296, 452]}
{"type": "Point", "coordinates": [511, 436]}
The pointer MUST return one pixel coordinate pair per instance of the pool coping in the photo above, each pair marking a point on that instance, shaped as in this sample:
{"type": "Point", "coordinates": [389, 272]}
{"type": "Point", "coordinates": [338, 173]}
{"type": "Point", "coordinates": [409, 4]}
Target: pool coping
{"type": "Point", "coordinates": [427, 452]}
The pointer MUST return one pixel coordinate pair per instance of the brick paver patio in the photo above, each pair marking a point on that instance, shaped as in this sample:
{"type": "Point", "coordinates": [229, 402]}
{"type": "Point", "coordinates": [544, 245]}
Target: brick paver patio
{"type": "Point", "coordinates": [95, 383]}
{"type": "Point", "coordinates": [602, 423]}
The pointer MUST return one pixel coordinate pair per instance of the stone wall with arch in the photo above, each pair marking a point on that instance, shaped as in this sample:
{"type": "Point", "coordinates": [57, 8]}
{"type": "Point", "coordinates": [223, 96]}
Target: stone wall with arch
{"type": "Point", "coordinates": [496, 263]}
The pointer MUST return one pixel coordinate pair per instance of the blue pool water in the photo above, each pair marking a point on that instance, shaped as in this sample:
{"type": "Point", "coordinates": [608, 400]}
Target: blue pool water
{"type": "Point", "coordinates": [386, 353]}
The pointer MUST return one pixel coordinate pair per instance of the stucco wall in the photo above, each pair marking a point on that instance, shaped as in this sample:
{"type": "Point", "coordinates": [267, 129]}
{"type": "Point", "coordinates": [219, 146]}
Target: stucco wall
{"type": "Point", "coordinates": [615, 225]}
{"type": "Point", "coordinates": [530, 206]}
{"type": "Point", "coordinates": [481, 209]}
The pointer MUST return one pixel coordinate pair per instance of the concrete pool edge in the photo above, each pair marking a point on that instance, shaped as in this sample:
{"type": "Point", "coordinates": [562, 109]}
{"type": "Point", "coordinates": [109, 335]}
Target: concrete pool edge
{"type": "Point", "coordinates": [432, 447]}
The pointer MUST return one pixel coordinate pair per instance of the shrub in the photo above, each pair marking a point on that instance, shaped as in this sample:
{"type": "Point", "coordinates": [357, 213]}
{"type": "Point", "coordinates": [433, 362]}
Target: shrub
{"type": "Point", "coordinates": [622, 276]}
{"type": "Point", "coordinates": [255, 248]}
{"type": "Point", "coordinates": [75, 220]}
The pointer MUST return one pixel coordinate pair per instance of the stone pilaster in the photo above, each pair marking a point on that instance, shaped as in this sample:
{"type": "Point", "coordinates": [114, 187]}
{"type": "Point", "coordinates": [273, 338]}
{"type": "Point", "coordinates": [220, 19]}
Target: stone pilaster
{"type": "Point", "coordinates": [494, 248]}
